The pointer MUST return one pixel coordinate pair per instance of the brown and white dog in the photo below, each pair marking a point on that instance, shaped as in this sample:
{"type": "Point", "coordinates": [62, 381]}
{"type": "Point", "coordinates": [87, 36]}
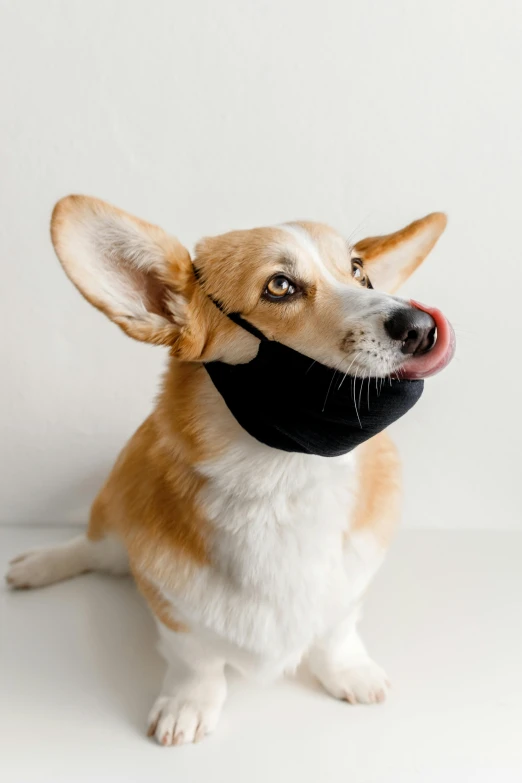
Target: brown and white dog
{"type": "Point", "coordinates": [246, 555]}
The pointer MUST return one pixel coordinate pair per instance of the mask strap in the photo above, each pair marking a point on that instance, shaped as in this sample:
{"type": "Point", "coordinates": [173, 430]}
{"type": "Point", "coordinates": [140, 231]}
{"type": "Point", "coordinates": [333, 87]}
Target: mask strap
{"type": "Point", "coordinates": [237, 318]}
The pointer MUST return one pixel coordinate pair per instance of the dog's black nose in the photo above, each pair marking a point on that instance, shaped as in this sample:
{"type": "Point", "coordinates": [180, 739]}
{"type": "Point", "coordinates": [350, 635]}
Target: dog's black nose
{"type": "Point", "coordinates": [413, 328]}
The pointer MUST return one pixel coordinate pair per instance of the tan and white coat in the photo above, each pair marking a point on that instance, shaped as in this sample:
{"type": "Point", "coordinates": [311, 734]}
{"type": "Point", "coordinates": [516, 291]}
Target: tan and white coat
{"type": "Point", "coordinates": [246, 555]}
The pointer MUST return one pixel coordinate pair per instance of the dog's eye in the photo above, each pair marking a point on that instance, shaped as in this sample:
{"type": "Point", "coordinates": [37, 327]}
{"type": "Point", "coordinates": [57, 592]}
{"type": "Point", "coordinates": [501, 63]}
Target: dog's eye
{"type": "Point", "coordinates": [359, 274]}
{"type": "Point", "coordinates": [279, 287]}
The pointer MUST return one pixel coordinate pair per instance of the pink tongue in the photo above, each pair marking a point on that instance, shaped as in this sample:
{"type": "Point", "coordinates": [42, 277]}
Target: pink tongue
{"type": "Point", "coordinates": [440, 355]}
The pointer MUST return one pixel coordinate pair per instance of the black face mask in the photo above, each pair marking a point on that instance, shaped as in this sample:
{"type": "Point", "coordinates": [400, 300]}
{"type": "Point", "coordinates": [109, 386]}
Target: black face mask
{"type": "Point", "coordinates": [291, 402]}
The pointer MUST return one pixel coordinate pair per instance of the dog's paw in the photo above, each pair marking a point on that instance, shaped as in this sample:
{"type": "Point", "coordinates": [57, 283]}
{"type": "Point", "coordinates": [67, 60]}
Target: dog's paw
{"type": "Point", "coordinates": [365, 683]}
{"type": "Point", "coordinates": [28, 570]}
{"type": "Point", "coordinates": [186, 717]}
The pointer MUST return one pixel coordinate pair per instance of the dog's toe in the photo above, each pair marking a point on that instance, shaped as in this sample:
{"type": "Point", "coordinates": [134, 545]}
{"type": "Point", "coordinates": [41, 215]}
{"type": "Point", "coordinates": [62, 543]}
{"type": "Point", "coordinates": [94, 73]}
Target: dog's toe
{"type": "Point", "coordinates": [179, 721]}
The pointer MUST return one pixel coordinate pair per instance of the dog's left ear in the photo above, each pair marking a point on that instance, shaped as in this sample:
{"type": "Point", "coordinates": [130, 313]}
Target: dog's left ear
{"type": "Point", "coordinates": [391, 259]}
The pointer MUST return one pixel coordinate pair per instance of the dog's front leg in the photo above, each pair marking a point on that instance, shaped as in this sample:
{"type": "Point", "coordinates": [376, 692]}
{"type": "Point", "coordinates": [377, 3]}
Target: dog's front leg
{"type": "Point", "coordinates": [340, 662]}
{"type": "Point", "coordinates": [193, 692]}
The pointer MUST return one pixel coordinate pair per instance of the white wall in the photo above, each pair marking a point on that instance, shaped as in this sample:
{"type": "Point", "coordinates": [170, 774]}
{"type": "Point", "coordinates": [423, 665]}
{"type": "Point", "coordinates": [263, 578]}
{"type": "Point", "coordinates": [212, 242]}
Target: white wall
{"type": "Point", "coordinates": [205, 116]}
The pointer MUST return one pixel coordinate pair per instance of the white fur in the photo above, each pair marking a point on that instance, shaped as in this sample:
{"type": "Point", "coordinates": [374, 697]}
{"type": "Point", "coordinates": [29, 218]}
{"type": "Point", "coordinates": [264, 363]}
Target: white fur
{"type": "Point", "coordinates": [311, 250]}
{"type": "Point", "coordinates": [280, 577]}
{"type": "Point", "coordinates": [193, 692]}
{"type": "Point", "coordinates": [286, 579]}
{"type": "Point", "coordinates": [44, 566]}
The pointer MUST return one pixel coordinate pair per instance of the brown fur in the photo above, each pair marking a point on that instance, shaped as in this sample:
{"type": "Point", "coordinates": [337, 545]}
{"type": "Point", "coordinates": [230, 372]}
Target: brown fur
{"type": "Point", "coordinates": [150, 497]}
{"type": "Point", "coordinates": [378, 488]}
{"type": "Point", "coordinates": [373, 249]}
{"type": "Point", "coordinates": [158, 605]}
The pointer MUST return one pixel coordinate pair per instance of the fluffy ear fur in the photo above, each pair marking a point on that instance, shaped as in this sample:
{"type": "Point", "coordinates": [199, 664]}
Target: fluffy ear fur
{"type": "Point", "coordinates": [391, 259]}
{"type": "Point", "coordinates": [133, 271]}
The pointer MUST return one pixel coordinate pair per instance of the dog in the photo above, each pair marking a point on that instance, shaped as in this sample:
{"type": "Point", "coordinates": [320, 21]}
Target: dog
{"type": "Point", "coordinates": [246, 554]}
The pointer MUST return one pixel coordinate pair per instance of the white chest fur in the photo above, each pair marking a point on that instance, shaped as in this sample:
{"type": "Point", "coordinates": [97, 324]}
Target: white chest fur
{"type": "Point", "coordinates": [279, 575]}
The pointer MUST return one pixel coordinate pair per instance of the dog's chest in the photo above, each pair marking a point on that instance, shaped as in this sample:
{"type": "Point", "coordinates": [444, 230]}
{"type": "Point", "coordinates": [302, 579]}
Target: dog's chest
{"type": "Point", "coordinates": [279, 522]}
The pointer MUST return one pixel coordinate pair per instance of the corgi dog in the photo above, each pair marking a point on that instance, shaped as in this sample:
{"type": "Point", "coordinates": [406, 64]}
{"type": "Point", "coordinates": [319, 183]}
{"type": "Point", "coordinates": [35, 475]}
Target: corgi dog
{"type": "Point", "coordinates": [246, 554]}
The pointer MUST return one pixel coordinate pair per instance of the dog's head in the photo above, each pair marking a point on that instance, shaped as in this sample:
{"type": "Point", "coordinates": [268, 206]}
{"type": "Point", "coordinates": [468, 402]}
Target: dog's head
{"type": "Point", "coordinates": [299, 283]}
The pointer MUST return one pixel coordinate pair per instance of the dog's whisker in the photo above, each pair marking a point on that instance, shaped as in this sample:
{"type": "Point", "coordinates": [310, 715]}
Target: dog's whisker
{"type": "Point", "coordinates": [360, 390]}
{"type": "Point", "coordinates": [359, 225]}
{"type": "Point", "coordinates": [354, 400]}
{"type": "Point", "coordinates": [328, 392]}
{"type": "Point", "coordinates": [349, 368]}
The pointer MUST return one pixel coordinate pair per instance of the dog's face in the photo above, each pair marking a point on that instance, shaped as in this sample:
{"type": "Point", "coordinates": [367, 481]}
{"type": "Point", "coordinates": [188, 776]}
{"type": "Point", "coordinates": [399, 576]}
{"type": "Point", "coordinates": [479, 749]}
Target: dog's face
{"type": "Point", "coordinates": [299, 283]}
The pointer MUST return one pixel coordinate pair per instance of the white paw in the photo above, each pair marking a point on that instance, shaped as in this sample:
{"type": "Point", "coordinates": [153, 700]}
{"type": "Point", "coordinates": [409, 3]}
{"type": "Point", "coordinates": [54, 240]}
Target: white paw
{"type": "Point", "coordinates": [188, 716]}
{"type": "Point", "coordinates": [29, 570]}
{"type": "Point", "coordinates": [365, 683]}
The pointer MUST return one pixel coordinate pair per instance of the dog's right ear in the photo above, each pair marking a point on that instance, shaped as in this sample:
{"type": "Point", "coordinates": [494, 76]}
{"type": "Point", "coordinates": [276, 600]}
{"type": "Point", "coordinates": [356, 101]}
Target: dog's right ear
{"type": "Point", "coordinates": [133, 271]}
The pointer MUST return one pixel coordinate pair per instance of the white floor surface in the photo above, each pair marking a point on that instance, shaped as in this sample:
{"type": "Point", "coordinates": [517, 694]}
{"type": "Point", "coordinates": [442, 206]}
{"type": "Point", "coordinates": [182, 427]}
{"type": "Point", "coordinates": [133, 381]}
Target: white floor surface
{"type": "Point", "coordinates": [79, 672]}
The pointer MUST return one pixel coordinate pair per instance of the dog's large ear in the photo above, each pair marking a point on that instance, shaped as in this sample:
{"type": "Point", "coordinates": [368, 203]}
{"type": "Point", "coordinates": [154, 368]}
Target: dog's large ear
{"type": "Point", "coordinates": [131, 270]}
{"type": "Point", "coordinates": [391, 259]}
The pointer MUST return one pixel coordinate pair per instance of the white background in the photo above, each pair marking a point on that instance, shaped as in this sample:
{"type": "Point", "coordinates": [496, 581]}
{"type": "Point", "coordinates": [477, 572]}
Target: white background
{"type": "Point", "coordinates": [205, 116]}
